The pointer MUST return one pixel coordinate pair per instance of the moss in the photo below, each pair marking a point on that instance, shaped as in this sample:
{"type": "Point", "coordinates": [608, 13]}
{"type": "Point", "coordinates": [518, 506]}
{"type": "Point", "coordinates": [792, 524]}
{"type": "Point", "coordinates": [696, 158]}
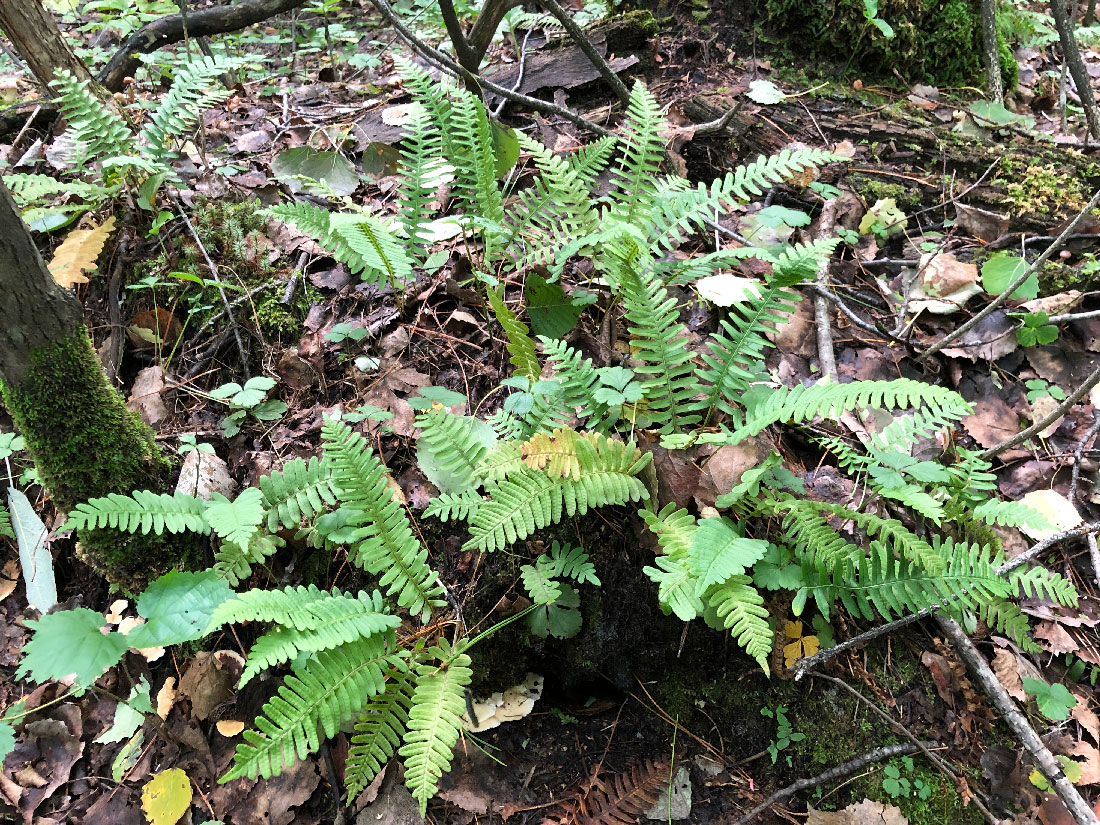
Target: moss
{"type": "Point", "coordinates": [1032, 187]}
{"type": "Point", "coordinates": [873, 189]}
{"type": "Point", "coordinates": [85, 443]}
{"type": "Point", "coordinates": [934, 41]}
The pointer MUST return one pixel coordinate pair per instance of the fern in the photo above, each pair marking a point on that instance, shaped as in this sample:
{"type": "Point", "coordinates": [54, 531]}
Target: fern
{"type": "Point", "coordinates": [803, 403]}
{"type": "Point", "coordinates": [674, 529]}
{"type": "Point", "coordinates": [1011, 514]}
{"type": "Point", "coordinates": [454, 445]}
{"type": "Point", "coordinates": [633, 177]}
{"type": "Point", "coordinates": [539, 583]}
{"type": "Point", "coordinates": [178, 111]}
{"type": "Point", "coordinates": [330, 689]}
{"type": "Point", "coordinates": [298, 491]}
{"type": "Point", "coordinates": [438, 702]}
{"type": "Point", "coordinates": [447, 507]}
{"type": "Point", "coordinates": [236, 521]}
{"type": "Point", "coordinates": [421, 152]}
{"type": "Point", "coordinates": [5, 522]}
{"type": "Point", "coordinates": [474, 159]}
{"type": "Point", "coordinates": [26, 189]}
{"type": "Point", "coordinates": [381, 254]}
{"type": "Point", "coordinates": [521, 348]}
{"type": "Point", "coordinates": [92, 125]}
{"type": "Point", "coordinates": [741, 609]}
{"type": "Point", "coordinates": [141, 512]}
{"type": "Point", "coordinates": [529, 500]}
{"type": "Point", "coordinates": [386, 545]}
{"type": "Point", "coordinates": [233, 562]}
{"type": "Point", "coordinates": [377, 734]}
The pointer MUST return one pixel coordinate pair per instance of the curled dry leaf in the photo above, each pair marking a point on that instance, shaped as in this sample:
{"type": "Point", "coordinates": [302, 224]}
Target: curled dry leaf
{"type": "Point", "coordinates": [229, 727]}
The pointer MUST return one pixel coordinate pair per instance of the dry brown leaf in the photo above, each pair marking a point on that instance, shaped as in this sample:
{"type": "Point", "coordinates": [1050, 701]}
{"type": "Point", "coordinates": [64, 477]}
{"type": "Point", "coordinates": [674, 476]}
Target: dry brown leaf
{"type": "Point", "coordinates": [79, 251]}
{"type": "Point", "coordinates": [860, 813]}
{"type": "Point", "coordinates": [1085, 716]}
{"type": "Point", "coordinates": [166, 697]}
{"type": "Point", "coordinates": [1090, 767]}
{"type": "Point", "coordinates": [1056, 639]}
{"type": "Point", "coordinates": [9, 578]}
{"type": "Point", "coordinates": [944, 274]}
{"type": "Point", "coordinates": [1004, 667]}
{"type": "Point", "coordinates": [992, 422]}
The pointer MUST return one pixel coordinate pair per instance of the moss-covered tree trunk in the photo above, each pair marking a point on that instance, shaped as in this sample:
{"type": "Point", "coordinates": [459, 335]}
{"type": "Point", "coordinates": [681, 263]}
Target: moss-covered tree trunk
{"type": "Point", "coordinates": [83, 439]}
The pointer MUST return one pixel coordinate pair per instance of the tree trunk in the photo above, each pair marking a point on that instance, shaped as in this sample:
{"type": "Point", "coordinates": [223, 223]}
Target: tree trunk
{"type": "Point", "coordinates": [83, 439]}
{"type": "Point", "coordinates": [34, 33]}
{"type": "Point", "coordinates": [994, 88]}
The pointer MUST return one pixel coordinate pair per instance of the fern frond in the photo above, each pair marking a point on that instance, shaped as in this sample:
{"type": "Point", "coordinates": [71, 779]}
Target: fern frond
{"type": "Point", "coordinates": [529, 500]}
{"type": "Point", "coordinates": [335, 621]}
{"type": "Point", "coordinates": [433, 95]}
{"type": "Point", "coordinates": [238, 520]}
{"type": "Point", "coordinates": [1039, 583]}
{"type": "Point", "coordinates": [178, 112]}
{"type": "Point", "coordinates": [421, 151]}
{"type": "Point", "coordinates": [91, 124]}
{"type": "Point", "coordinates": [801, 262]}
{"type": "Point", "coordinates": [459, 507]}
{"type": "Point", "coordinates": [330, 689]}
{"type": "Point", "coordinates": [571, 562]}
{"type": "Point", "coordinates": [674, 529]}
{"type": "Point", "coordinates": [591, 159]}
{"type": "Point", "coordinates": [539, 584]}
{"type": "Point", "coordinates": [299, 490]}
{"type": "Point", "coordinates": [141, 512]}
{"type": "Point", "coordinates": [1011, 514]}
{"type": "Point", "coordinates": [233, 563]}
{"type": "Point", "coordinates": [438, 702]}
{"type": "Point", "coordinates": [741, 608]}
{"type": "Point", "coordinates": [454, 445]}
{"type": "Point", "coordinates": [382, 255]}
{"type": "Point", "coordinates": [578, 379]}
{"type": "Point", "coordinates": [377, 734]}
{"type": "Point", "coordinates": [5, 522]}
{"type": "Point", "coordinates": [1004, 617]}
{"type": "Point", "coordinates": [555, 453]}
{"type": "Point", "coordinates": [826, 400]}
{"type": "Point", "coordinates": [521, 347]}
{"type": "Point", "coordinates": [386, 545]}
{"type": "Point", "coordinates": [27, 189]}
{"type": "Point", "coordinates": [732, 352]}
{"type": "Point", "coordinates": [474, 159]}
{"type": "Point", "coordinates": [661, 342]}
{"type": "Point", "coordinates": [633, 178]}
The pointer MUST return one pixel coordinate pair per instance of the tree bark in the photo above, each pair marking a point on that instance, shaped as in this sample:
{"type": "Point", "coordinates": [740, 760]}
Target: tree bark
{"type": "Point", "coordinates": [991, 53]}
{"type": "Point", "coordinates": [1077, 70]}
{"type": "Point", "coordinates": [34, 33]}
{"type": "Point", "coordinates": [84, 441]}
{"type": "Point", "coordinates": [170, 29]}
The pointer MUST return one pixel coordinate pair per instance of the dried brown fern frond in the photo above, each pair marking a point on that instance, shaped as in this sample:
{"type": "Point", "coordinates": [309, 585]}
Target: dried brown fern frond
{"type": "Point", "coordinates": [618, 800]}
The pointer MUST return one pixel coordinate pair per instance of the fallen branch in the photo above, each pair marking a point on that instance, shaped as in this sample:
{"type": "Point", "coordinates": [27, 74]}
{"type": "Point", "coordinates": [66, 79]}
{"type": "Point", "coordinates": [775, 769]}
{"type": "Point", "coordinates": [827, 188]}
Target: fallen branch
{"type": "Point", "coordinates": [826, 355]}
{"type": "Point", "coordinates": [172, 28]}
{"type": "Point", "coordinates": [1050, 767]}
{"type": "Point", "coordinates": [840, 771]}
{"type": "Point", "coordinates": [581, 39]}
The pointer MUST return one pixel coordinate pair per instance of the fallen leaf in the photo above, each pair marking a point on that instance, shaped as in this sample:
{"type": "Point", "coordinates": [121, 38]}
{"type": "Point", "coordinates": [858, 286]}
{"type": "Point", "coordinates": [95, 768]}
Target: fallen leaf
{"type": "Point", "coordinates": [1057, 509]}
{"type": "Point", "coordinates": [992, 422]}
{"type": "Point", "coordinates": [859, 813]}
{"type": "Point", "coordinates": [229, 727]}
{"type": "Point", "coordinates": [78, 252]}
{"type": "Point", "coordinates": [9, 578]}
{"type": "Point", "coordinates": [1090, 768]}
{"type": "Point", "coordinates": [166, 797]}
{"type": "Point", "coordinates": [1004, 667]}
{"type": "Point", "coordinates": [1056, 639]}
{"type": "Point", "coordinates": [166, 697]}
{"type": "Point", "coordinates": [1085, 716]}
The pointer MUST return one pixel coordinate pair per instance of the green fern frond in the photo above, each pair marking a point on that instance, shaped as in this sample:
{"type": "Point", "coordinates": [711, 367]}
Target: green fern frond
{"type": "Point", "coordinates": [633, 179]}
{"type": "Point", "coordinates": [1004, 617]}
{"type": "Point", "coordinates": [681, 272]}
{"type": "Point", "coordinates": [529, 500]}
{"type": "Point", "coordinates": [301, 608]}
{"type": "Point", "coordinates": [92, 125]}
{"type": "Point", "coordinates": [1039, 583]}
{"type": "Point", "coordinates": [826, 400]}
{"type": "Point", "coordinates": [674, 529]}
{"type": "Point", "coordinates": [438, 702]}
{"type": "Point", "coordinates": [1011, 514]}
{"type": "Point", "coordinates": [141, 512]}
{"type": "Point", "coordinates": [455, 446]}
{"type": "Point", "coordinates": [377, 734]}
{"type": "Point", "coordinates": [28, 189]}
{"type": "Point", "coordinates": [5, 522]}
{"type": "Point", "coordinates": [298, 491]}
{"type": "Point", "coordinates": [421, 151]}
{"type": "Point", "coordinates": [459, 507]}
{"type": "Point", "coordinates": [741, 609]}
{"type": "Point", "coordinates": [316, 223]}
{"type": "Point", "coordinates": [915, 499]}
{"type": "Point", "coordinates": [238, 520]}
{"type": "Point", "coordinates": [330, 689]}
{"type": "Point", "coordinates": [570, 562]}
{"type": "Point", "coordinates": [386, 545]}
{"type": "Point", "coordinates": [233, 563]}
{"type": "Point", "coordinates": [591, 159]}
{"type": "Point", "coordinates": [539, 584]}
{"type": "Point", "coordinates": [191, 94]}
{"type": "Point", "coordinates": [382, 255]}
{"type": "Point", "coordinates": [578, 379]}
{"type": "Point", "coordinates": [801, 262]}
{"type": "Point", "coordinates": [433, 95]}
{"type": "Point", "coordinates": [732, 352]}
{"type": "Point", "coordinates": [474, 159]}
{"type": "Point", "coordinates": [661, 342]}
{"type": "Point", "coordinates": [521, 347]}
{"type": "Point", "coordinates": [337, 620]}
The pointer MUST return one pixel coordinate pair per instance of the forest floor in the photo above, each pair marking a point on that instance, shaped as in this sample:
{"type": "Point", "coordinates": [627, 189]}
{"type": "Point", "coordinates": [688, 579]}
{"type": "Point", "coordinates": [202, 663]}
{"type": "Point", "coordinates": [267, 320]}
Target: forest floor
{"type": "Point", "coordinates": [611, 721]}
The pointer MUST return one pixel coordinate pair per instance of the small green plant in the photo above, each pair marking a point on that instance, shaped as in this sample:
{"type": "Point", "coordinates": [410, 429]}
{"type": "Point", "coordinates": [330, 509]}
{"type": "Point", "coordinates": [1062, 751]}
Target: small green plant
{"type": "Point", "coordinates": [1054, 701]}
{"type": "Point", "coordinates": [785, 734]}
{"type": "Point", "coordinates": [563, 717]}
{"type": "Point", "coordinates": [1038, 388]}
{"type": "Point", "coordinates": [249, 400]}
{"type": "Point", "coordinates": [189, 443]}
{"type": "Point", "coordinates": [1035, 330]}
{"type": "Point", "coordinates": [895, 784]}
{"type": "Point", "coordinates": [557, 612]}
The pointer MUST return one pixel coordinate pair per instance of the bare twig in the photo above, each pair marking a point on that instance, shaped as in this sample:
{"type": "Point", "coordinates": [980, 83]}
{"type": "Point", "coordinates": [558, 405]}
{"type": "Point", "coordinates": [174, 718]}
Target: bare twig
{"type": "Point", "coordinates": [840, 771]}
{"type": "Point", "coordinates": [1079, 453]}
{"type": "Point", "coordinates": [519, 77]}
{"type": "Point", "coordinates": [1094, 557]}
{"type": "Point", "coordinates": [440, 60]}
{"type": "Point", "coordinates": [1039, 426]}
{"type": "Point", "coordinates": [582, 40]}
{"type": "Point", "coordinates": [826, 355]}
{"type": "Point", "coordinates": [803, 666]}
{"type": "Point", "coordinates": [1051, 768]}
{"type": "Point", "coordinates": [1056, 246]}
{"type": "Point", "coordinates": [718, 124]}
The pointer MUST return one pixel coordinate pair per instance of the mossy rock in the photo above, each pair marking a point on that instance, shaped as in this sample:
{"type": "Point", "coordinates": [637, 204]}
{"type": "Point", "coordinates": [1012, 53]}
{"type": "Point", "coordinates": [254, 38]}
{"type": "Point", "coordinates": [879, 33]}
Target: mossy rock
{"type": "Point", "coordinates": [935, 41]}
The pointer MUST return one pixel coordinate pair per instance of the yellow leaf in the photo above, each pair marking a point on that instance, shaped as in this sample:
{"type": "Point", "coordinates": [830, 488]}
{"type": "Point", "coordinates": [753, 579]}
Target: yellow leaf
{"type": "Point", "coordinates": [78, 252]}
{"type": "Point", "coordinates": [166, 797]}
{"type": "Point", "coordinates": [800, 646]}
